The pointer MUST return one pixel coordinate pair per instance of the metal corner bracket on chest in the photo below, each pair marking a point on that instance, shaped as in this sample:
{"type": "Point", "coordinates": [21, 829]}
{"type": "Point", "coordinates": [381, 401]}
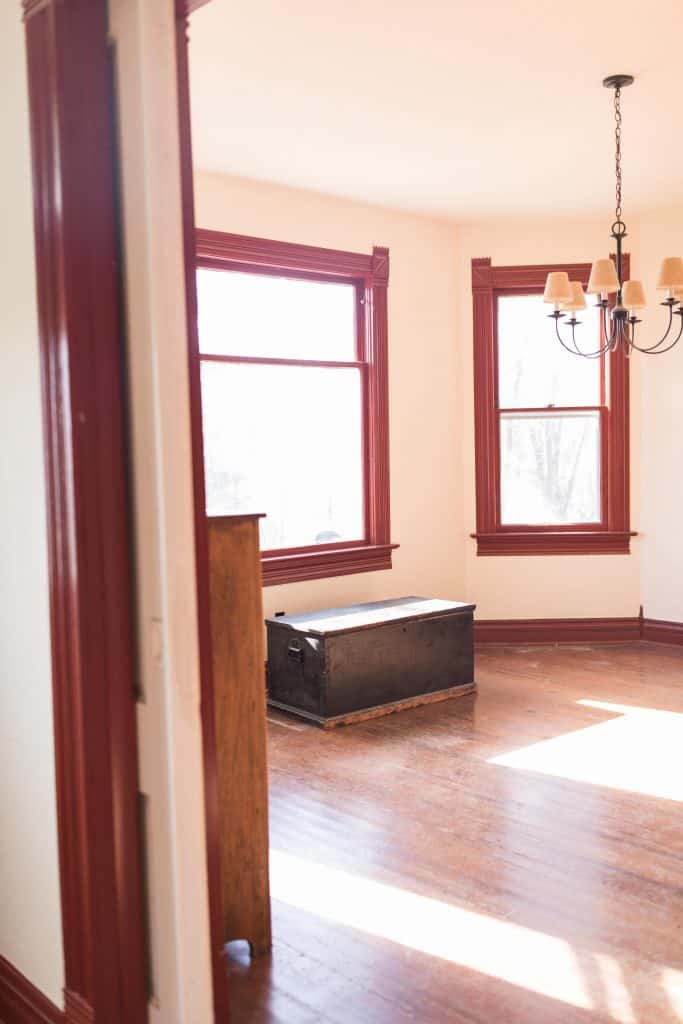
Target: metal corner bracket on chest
{"type": "Point", "coordinates": [344, 665]}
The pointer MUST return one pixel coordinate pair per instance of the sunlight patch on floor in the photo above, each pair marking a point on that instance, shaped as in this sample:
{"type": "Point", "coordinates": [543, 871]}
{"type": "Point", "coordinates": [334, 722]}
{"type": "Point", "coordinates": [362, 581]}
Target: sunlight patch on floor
{"type": "Point", "coordinates": [640, 751]}
{"type": "Point", "coordinates": [541, 963]}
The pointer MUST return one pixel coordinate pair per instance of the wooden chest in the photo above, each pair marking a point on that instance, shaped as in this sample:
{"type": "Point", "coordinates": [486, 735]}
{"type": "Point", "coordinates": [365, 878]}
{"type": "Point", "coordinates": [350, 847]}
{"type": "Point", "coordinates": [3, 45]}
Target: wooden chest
{"type": "Point", "coordinates": [346, 664]}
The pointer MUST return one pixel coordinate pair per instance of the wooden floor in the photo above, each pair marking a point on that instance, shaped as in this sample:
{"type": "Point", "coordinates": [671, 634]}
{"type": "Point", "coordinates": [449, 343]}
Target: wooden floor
{"type": "Point", "coordinates": [514, 856]}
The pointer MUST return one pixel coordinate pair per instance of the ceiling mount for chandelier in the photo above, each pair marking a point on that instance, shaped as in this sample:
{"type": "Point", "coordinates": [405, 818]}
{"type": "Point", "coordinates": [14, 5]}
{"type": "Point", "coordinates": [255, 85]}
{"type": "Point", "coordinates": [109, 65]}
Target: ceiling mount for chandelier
{"type": "Point", "coordinates": [618, 320]}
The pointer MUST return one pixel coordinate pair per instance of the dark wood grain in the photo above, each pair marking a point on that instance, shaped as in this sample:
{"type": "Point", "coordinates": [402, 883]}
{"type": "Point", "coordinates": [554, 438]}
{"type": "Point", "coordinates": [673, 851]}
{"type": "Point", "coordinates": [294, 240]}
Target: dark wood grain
{"type": "Point", "coordinates": [332, 664]}
{"type": "Point", "coordinates": [592, 872]}
{"type": "Point", "coordinates": [240, 717]}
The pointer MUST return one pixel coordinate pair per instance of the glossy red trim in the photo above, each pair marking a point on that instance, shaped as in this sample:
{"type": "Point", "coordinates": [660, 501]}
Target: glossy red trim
{"type": "Point", "coordinates": [211, 795]}
{"type": "Point", "coordinates": [556, 631]}
{"type": "Point", "coordinates": [370, 274]}
{"type": "Point", "coordinates": [221, 250]}
{"type": "Point", "coordinates": [321, 564]}
{"type": "Point", "coordinates": [581, 542]}
{"type": "Point", "coordinates": [91, 589]}
{"type": "Point", "coordinates": [612, 534]}
{"type": "Point", "coordinates": [662, 631]}
{"type": "Point", "coordinates": [21, 1002]}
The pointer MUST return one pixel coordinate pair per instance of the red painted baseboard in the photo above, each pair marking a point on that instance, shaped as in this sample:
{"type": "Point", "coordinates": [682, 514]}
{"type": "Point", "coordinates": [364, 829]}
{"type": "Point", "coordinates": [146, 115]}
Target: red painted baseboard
{"type": "Point", "coordinates": [571, 631]}
{"type": "Point", "coordinates": [661, 631]}
{"type": "Point", "coordinates": [556, 631]}
{"type": "Point", "coordinates": [21, 1002]}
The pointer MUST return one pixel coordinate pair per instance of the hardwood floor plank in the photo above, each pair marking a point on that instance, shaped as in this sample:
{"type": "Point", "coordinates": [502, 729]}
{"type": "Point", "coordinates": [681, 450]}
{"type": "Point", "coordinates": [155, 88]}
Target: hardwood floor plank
{"type": "Point", "coordinates": [520, 817]}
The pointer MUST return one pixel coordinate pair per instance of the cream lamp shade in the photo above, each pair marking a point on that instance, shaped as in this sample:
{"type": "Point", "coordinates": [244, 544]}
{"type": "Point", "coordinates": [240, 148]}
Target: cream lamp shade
{"type": "Point", "coordinates": [578, 299]}
{"type": "Point", "coordinates": [633, 295]}
{"type": "Point", "coordinates": [603, 278]}
{"type": "Point", "coordinates": [670, 273]}
{"type": "Point", "coordinates": [557, 287]}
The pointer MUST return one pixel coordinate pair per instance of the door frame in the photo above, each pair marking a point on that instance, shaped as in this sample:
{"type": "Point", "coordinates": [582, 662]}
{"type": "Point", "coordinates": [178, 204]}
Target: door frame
{"type": "Point", "coordinates": [82, 356]}
{"type": "Point", "coordinates": [183, 9]}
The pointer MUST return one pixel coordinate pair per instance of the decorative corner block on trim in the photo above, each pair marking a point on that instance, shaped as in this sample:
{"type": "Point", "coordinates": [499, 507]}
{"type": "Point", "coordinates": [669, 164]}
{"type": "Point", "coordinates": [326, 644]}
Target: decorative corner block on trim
{"type": "Point", "coordinates": [580, 542]}
{"type": "Point", "coordinates": [312, 565]}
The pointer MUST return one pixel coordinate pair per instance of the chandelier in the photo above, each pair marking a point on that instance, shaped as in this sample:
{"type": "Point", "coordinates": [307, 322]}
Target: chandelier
{"type": "Point", "coordinates": [619, 314]}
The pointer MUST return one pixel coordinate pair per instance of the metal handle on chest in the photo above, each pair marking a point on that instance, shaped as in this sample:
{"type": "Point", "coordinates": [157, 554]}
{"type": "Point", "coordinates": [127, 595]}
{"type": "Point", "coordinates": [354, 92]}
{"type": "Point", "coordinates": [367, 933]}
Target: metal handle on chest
{"type": "Point", "coordinates": [295, 652]}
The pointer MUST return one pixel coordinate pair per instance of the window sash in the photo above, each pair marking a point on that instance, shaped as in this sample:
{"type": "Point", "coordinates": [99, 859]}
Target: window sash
{"type": "Point", "coordinates": [332, 365]}
{"type": "Point", "coordinates": [556, 411]}
{"type": "Point", "coordinates": [612, 535]}
{"type": "Point", "coordinates": [368, 274]}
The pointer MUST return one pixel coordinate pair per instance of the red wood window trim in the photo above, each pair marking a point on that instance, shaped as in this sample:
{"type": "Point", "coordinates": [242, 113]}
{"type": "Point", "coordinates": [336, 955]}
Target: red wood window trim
{"type": "Point", "coordinates": [612, 535]}
{"type": "Point", "coordinates": [370, 276]}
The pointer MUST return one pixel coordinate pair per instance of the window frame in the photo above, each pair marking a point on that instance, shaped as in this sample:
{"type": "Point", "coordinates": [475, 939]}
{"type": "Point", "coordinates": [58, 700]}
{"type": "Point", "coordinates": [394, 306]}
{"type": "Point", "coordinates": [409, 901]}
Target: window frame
{"type": "Point", "coordinates": [369, 275]}
{"type": "Point", "coordinates": [610, 536]}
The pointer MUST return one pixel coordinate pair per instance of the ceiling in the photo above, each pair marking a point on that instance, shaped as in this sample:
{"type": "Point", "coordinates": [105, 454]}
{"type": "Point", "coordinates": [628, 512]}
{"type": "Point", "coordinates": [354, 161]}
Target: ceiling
{"type": "Point", "coordinates": [462, 110]}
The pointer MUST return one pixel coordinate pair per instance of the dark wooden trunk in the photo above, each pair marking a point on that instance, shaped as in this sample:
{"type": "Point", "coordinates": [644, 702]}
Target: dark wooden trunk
{"type": "Point", "coordinates": [344, 664]}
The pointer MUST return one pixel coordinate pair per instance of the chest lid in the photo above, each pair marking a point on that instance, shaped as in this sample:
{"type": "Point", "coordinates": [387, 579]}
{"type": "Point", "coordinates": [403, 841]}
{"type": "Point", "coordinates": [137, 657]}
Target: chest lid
{"type": "Point", "coordinates": [332, 621]}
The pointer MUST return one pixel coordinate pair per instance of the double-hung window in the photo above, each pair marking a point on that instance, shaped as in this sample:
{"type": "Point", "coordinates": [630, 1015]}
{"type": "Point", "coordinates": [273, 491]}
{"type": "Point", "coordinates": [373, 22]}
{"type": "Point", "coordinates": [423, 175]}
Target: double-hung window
{"type": "Point", "coordinates": [551, 428]}
{"type": "Point", "coordinates": [292, 347]}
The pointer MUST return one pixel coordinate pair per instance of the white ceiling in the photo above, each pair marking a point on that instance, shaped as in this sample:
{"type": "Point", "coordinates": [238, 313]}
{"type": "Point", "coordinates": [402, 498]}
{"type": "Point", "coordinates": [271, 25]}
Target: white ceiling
{"type": "Point", "coordinates": [465, 110]}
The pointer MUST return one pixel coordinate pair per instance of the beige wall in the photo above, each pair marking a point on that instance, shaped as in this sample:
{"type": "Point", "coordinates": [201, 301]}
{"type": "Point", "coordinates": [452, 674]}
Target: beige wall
{"type": "Point", "coordinates": [662, 430]}
{"type": "Point", "coordinates": [30, 911]}
{"type": "Point", "coordinates": [431, 398]}
{"type": "Point", "coordinates": [540, 586]}
{"type": "Point", "coordinates": [426, 505]}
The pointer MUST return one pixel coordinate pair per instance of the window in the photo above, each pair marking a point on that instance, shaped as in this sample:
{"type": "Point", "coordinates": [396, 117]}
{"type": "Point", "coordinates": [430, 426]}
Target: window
{"type": "Point", "coordinates": [551, 429]}
{"type": "Point", "coordinates": [293, 364]}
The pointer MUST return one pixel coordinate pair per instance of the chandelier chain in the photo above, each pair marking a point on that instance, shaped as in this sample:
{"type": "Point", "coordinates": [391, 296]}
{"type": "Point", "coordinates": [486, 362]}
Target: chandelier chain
{"type": "Point", "coordinates": [617, 140]}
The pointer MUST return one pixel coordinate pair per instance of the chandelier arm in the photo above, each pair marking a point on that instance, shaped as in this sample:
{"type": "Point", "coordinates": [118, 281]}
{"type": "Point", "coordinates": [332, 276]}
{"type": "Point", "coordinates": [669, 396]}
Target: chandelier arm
{"type": "Point", "coordinates": [664, 338]}
{"type": "Point", "coordinates": [576, 351]}
{"type": "Point", "coordinates": [655, 350]}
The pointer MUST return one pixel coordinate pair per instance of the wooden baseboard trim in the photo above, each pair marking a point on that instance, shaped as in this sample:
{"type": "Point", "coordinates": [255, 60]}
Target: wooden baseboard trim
{"type": "Point", "coordinates": [662, 631]}
{"type": "Point", "coordinates": [556, 631]}
{"type": "Point", "coordinates": [21, 1002]}
{"type": "Point", "coordinates": [377, 712]}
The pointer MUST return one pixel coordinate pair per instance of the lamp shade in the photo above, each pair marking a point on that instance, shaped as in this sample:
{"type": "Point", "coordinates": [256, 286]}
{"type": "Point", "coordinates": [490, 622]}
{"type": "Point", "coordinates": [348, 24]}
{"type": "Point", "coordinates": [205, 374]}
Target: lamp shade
{"type": "Point", "coordinates": [633, 295]}
{"type": "Point", "coordinates": [670, 273]}
{"type": "Point", "coordinates": [603, 278]}
{"type": "Point", "coordinates": [557, 288]}
{"type": "Point", "coordinates": [578, 299]}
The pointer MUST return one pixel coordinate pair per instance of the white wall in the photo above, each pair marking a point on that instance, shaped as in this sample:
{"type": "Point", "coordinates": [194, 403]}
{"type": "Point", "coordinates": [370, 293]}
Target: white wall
{"type": "Point", "coordinates": [30, 910]}
{"type": "Point", "coordinates": [662, 430]}
{"type": "Point", "coordinates": [426, 500]}
{"type": "Point", "coordinates": [541, 586]}
{"type": "Point", "coordinates": [169, 728]}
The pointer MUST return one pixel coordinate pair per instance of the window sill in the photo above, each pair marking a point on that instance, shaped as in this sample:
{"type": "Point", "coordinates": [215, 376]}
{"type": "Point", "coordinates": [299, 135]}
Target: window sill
{"type": "Point", "coordinates": [579, 542]}
{"type": "Point", "coordinates": [315, 565]}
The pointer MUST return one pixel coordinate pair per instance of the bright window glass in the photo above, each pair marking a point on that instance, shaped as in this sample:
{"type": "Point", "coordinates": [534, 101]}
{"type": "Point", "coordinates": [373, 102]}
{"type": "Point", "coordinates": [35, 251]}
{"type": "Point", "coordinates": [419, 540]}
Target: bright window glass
{"type": "Point", "coordinates": [534, 370]}
{"type": "Point", "coordinates": [550, 468]}
{"type": "Point", "coordinates": [286, 441]}
{"type": "Point", "coordinates": [244, 314]}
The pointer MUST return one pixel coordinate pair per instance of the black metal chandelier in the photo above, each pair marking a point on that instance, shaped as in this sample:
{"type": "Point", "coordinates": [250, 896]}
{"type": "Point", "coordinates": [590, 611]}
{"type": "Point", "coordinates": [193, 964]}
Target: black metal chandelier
{"type": "Point", "coordinates": [618, 320]}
